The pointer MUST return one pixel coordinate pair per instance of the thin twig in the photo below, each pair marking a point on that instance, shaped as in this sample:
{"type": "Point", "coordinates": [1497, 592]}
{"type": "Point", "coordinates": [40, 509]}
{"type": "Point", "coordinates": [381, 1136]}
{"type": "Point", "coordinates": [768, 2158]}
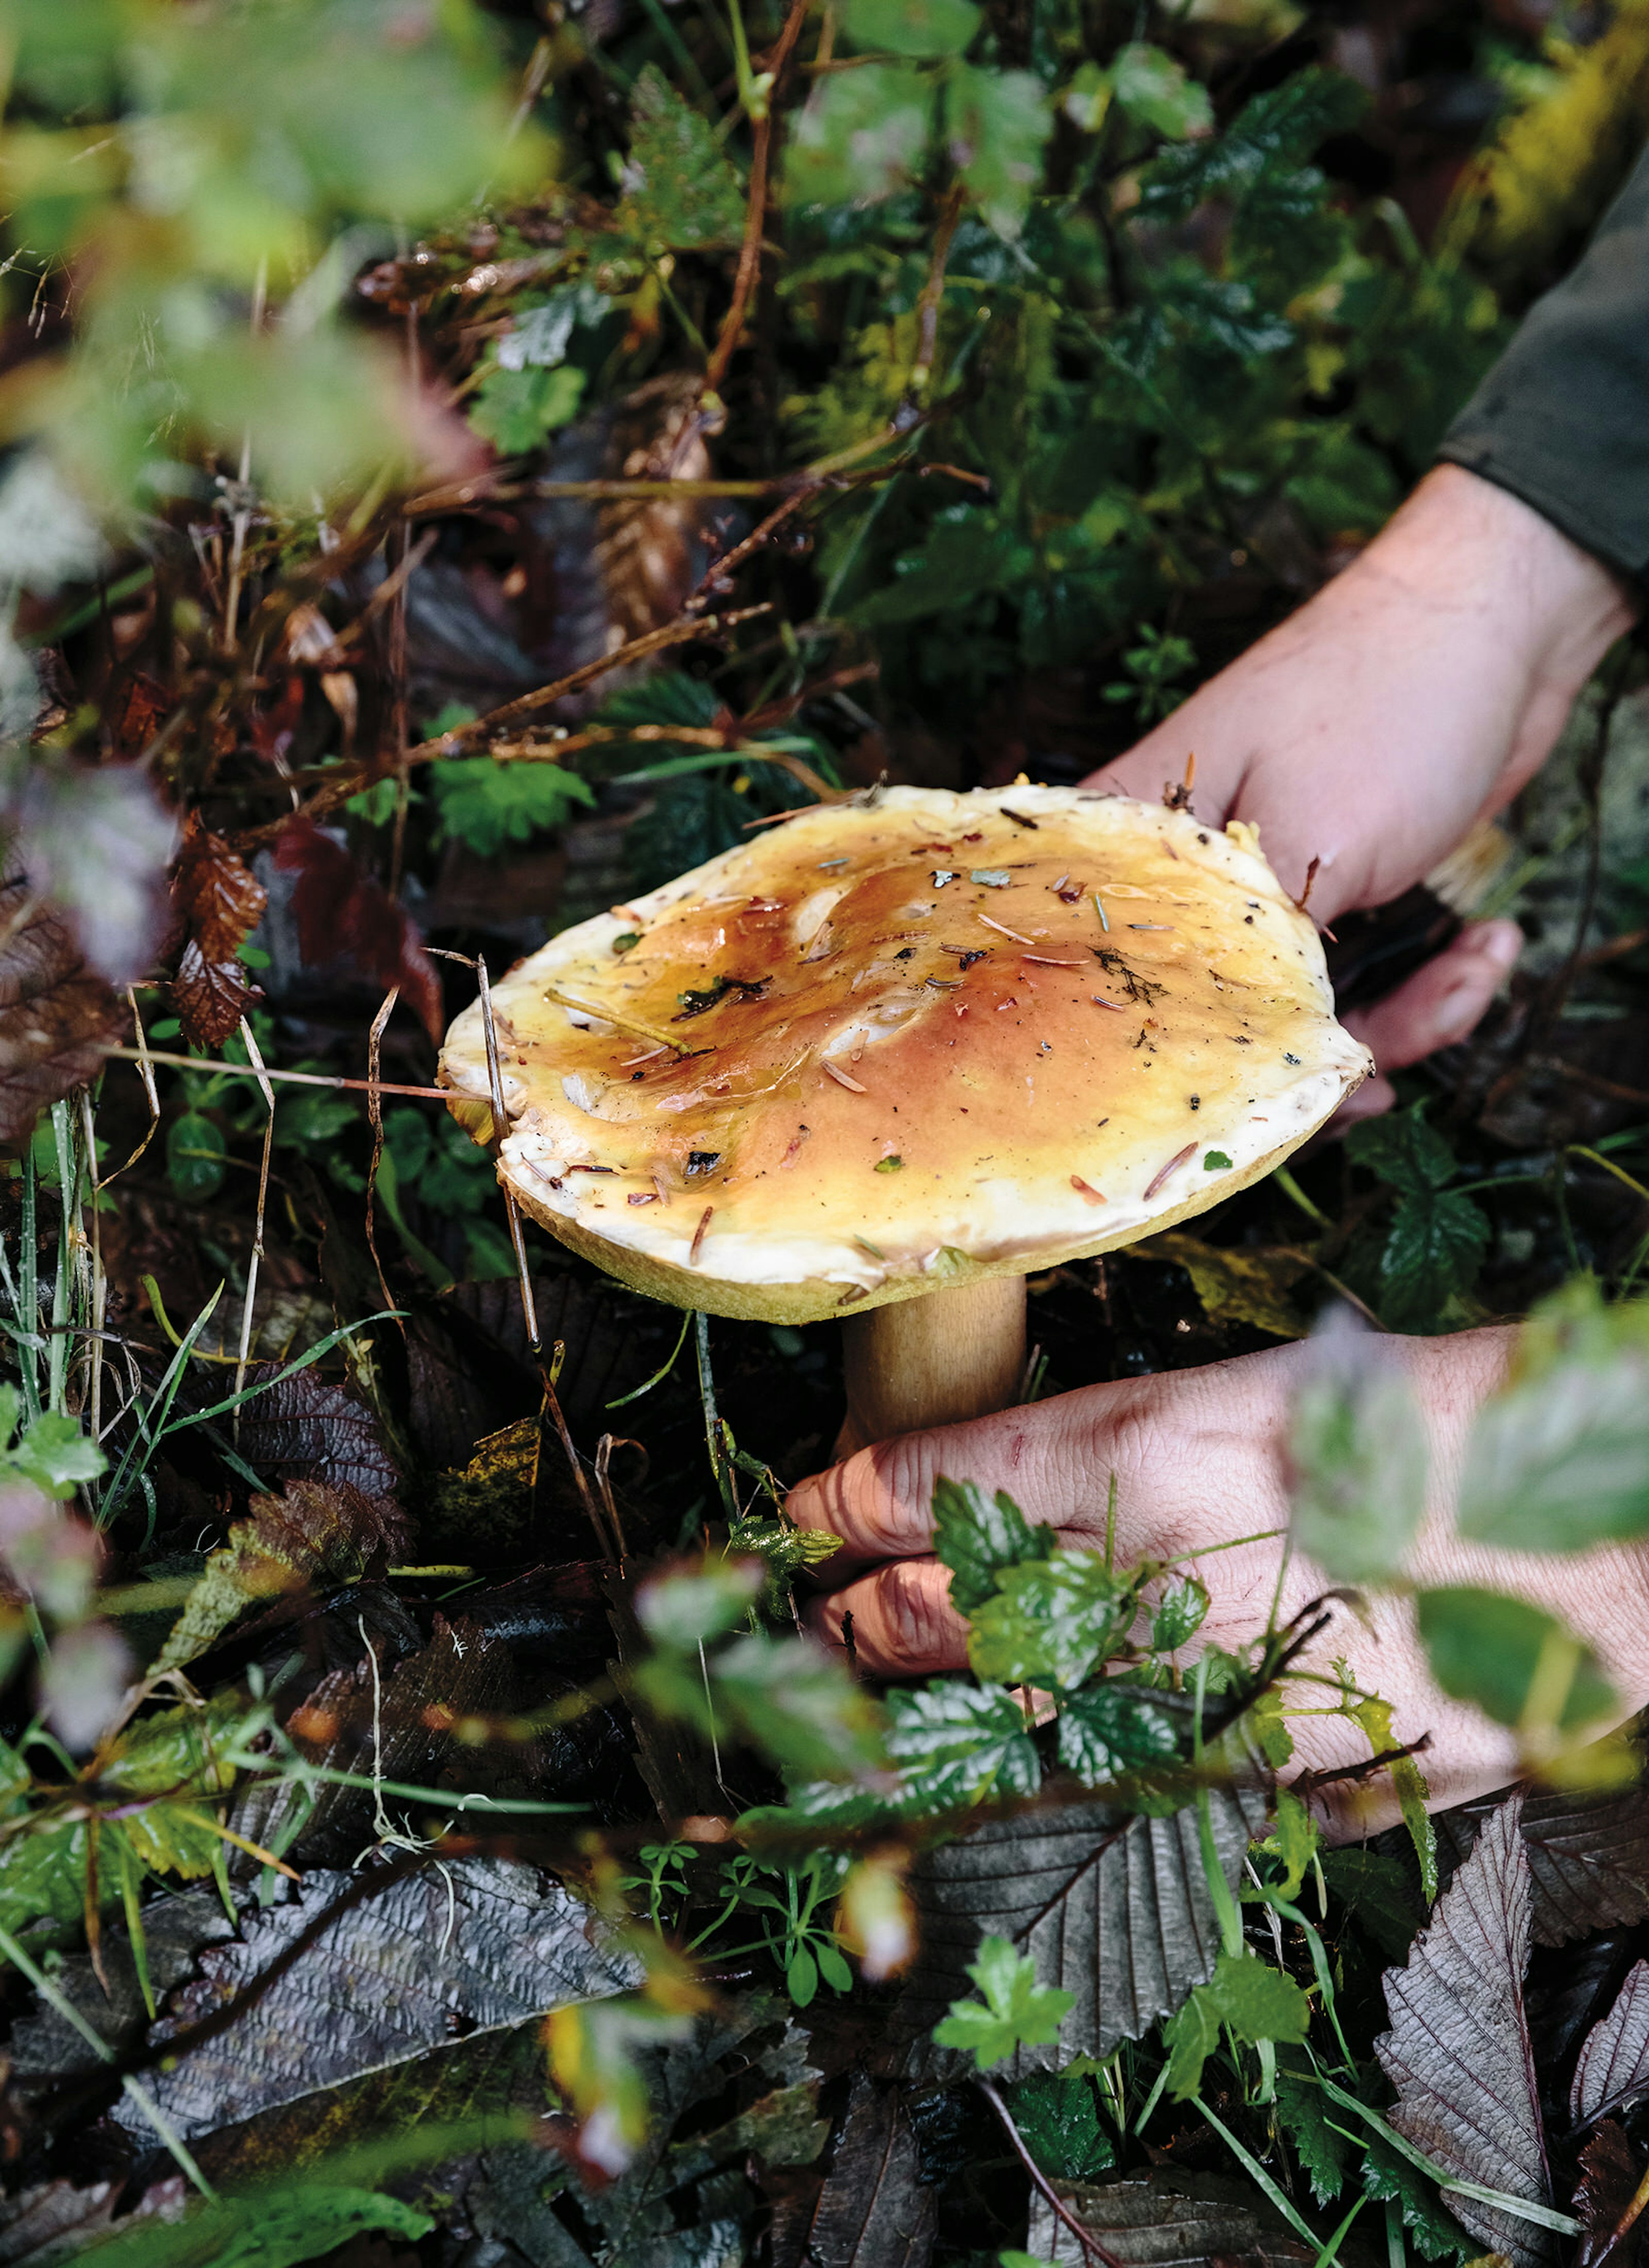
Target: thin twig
{"type": "Point", "coordinates": [251, 1046]}
{"type": "Point", "coordinates": [267, 1070]}
{"type": "Point", "coordinates": [755, 213]}
{"type": "Point", "coordinates": [1085, 2237]}
{"type": "Point", "coordinates": [932, 296]}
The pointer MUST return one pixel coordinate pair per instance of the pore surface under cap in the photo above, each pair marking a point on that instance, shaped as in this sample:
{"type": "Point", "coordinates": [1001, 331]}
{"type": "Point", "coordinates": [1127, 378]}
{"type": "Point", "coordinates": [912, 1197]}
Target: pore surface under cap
{"type": "Point", "coordinates": [931, 1035]}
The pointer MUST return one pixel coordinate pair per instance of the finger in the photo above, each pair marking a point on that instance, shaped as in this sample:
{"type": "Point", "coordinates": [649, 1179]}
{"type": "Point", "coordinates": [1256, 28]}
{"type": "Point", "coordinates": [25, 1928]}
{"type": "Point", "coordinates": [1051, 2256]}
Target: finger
{"type": "Point", "coordinates": [904, 1621]}
{"type": "Point", "coordinates": [1161, 1438]}
{"type": "Point", "coordinates": [1443, 1001]}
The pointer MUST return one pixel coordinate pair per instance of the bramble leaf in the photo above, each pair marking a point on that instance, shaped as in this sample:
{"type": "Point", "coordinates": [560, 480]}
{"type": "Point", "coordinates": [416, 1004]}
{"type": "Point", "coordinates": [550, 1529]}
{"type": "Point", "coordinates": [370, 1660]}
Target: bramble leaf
{"type": "Point", "coordinates": [1113, 1727]}
{"type": "Point", "coordinates": [1156, 91]}
{"type": "Point", "coordinates": [860, 136]}
{"type": "Point", "coordinates": [1051, 1621]}
{"type": "Point", "coordinates": [1256, 2002]}
{"type": "Point", "coordinates": [995, 124]}
{"type": "Point", "coordinates": [977, 1539]}
{"type": "Point", "coordinates": [680, 192]}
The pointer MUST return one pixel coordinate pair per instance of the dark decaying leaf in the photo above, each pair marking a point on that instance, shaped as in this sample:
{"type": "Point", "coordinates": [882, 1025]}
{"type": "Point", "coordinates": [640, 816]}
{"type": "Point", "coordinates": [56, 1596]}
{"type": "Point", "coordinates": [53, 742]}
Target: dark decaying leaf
{"type": "Point", "coordinates": [470, 1945]}
{"type": "Point", "coordinates": [1608, 2179]}
{"type": "Point", "coordinates": [872, 2210]}
{"type": "Point", "coordinates": [402, 1726]}
{"type": "Point", "coordinates": [44, 2225]}
{"type": "Point", "coordinates": [1588, 1856]}
{"type": "Point", "coordinates": [1113, 1907]}
{"type": "Point", "coordinates": [46, 2050]}
{"type": "Point", "coordinates": [305, 1429]}
{"type": "Point", "coordinates": [345, 918]}
{"type": "Point", "coordinates": [1170, 2220]}
{"type": "Point", "coordinates": [1458, 2052]}
{"type": "Point", "coordinates": [1613, 2067]}
{"type": "Point", "coordinates": [219, 902]}
{"type": "Point", "coordinates": [307, 1538]}
{"type": "Point", "coordinates": [57, 1015]}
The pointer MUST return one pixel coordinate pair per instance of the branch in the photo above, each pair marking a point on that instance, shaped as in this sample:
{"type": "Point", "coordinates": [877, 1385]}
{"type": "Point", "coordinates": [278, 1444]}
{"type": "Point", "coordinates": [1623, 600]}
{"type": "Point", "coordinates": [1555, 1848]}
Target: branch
{"type": "Point", "coordinates": [750, 251]}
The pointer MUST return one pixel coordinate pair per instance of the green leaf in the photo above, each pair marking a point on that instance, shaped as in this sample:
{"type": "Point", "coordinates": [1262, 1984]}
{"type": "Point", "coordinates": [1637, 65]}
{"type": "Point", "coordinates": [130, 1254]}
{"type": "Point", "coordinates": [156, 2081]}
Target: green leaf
{"type": "Point", "coordinates": [1304, 2114]}
{"type": "Point", "coordinates": [1257, 162]}
{"type": "Point", "coordinates": [56, 1455]}
{"type": "Point", "coordinates": [997, 123]}
{"type": "Point", "coordinates": [1515, 1662]}
{"type": "Point", "coordinates": [276, 2227]}
{"type": "Point", "coordinates": [1179, 1614]}
{"type": "Point", "coordinates": [680, 192]}
{"type": "Point", "coordinates": [913, 27]}
{"type": "Point", "coordinates": [1434, 1248]}
{"type": "Point", "coordinates": [1051, 1621]}
{"type": "Point", "coordinates": [1388, 2175]}
{"type": "Point", "coordinates": [1408, 1782]}
{"type": "Point", "coordinates": [801, 1977]}
{"type": "Point", "coordinates": [1357, 1444]}
{"type": "Point", "coordinates": [796, 1705]}
{"type": "Point", "coordinates": [1294, 1840]}
{"type": "Point", "coordinates": [956, 1743]}
{"type": "Point", "coordinates": [1157, 92]}
{"type": "Point", "coordinates": [1558, 1461]}
{"type": "Point", "coordinates": [1256, 2001]}
{"type": "Point", "coordinates": [516, 409]}
{"type": "Point", "coordinates": [1057, 2114]}
{"type": "Point", "coordinates": [682, 1609]}
{"type": "Point", "coordinates": [860, 136]}
{"type": "Point", "coordinates": [486, 805]}
{"type": "Point", "coordinates": [1016, 2011]}
{"type": "Point", "coordinates": [195, 1157]}
{"type": "Point", "coordinates": [1406, 1152]}
{"type": "Point", "coordinates": [976, 1541]}
{"type": "Point", "coordinates": [1113, 1727]}
{"type": "Point", "coordinates": [1374, 1891]}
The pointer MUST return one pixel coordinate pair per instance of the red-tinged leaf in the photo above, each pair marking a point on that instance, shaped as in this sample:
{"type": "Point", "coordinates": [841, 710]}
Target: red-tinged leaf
{"type": "Point", "coordinates": [343, 915]}
{"type": "Point", "coordinates": [1458, 2052]}
{"type": "Point", "coordinates": [210, 997]}
{"type": "Point", "coordinates": [1608, 2183]}
{"type": "Point", "coordinates": [1588, 1855]}
{"type": "Point", "coordinates": [216, 892]}
{"type": "Point", "coordinates": [139, 710]}
{"type": "Point", "coordinates": [873, 2209]}
{"type": "Point", "coordinates": [304, 1428]}
{"type": "Point", "coordinates": [1613, 2067]}
{"type": "Point", "coordinates": [57, 1017]}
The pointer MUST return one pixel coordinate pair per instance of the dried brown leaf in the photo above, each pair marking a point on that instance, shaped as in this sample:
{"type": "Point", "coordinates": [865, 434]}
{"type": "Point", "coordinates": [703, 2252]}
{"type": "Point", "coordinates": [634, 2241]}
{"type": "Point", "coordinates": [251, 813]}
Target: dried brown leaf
{"type": "Point", "coordinates": [1608, 2180]}
{"type": "Point", "coordinates": [1169, 2219]}
{"type": "Point", "coordinates": [1613, 2067]}
{"type": "Point", "coordinates": [309, 1536]}
{"type": "Point", "coordinates": [302, 1428]}
{"type": "Point", "coordinates": [343, 915]}
{"type": "Point", "coordinates": [56, 1016]}
{"type": "Point", "coordinates": [872, 2210]}
{"type": "Point", "coordinates": [1588, 1856]}
{"type": "Point", "coordinates": [48, 2224]}
{"type": "Point", "coordinates": [1458, 2053]}
{"type": "Point", "coordinates": [1238, 1287]}
{"type": "Point", "coordinates": [215, 892]}
{"type": "Point", "coordinates": [210, 997]}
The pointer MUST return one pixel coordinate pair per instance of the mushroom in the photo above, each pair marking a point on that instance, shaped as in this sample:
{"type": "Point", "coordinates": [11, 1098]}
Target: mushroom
{"type": "Point", "coordinates": [887, 1058]}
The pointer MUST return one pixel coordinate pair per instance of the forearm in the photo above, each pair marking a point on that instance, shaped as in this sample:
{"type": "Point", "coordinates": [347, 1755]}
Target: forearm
{"type": "Point", "coordinates": [1416, 691]}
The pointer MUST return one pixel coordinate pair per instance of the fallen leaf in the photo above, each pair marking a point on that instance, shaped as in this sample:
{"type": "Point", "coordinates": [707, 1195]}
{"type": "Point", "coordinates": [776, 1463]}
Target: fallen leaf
{"type": "Point", "coordinates": [343, 915]}
{"type": "Point", "coordinates": [1114, 1907]}
{"type": "Point", "coordinates": [1239, 1286]}
{"type": "Point", "coordinates": [469, 1945]}
{"type": "Point", "coordinates": [1170, 2220]}
{"type": "Point", "coordinates": [302, 1428]}
{"type": "Point", "coordinates": [219, 902]}
{"type": "Point", "coordinates": [873, 2211]}
{"type": "Point", "coordinates": [1608, 2180]}
{"type": "Point", "coordinates": [1588, 1856]}
{"type": "Point", "coordinates": [58, 1016]}
{"type": "Point", "coordinates": [310, 1536]}
{"type": "Point", "coordinates": [1613, 2067]}
{"type": "Point", "coordinates": [46, 2225]}
{"type": "Point", "coordinates": [1458, 2053]}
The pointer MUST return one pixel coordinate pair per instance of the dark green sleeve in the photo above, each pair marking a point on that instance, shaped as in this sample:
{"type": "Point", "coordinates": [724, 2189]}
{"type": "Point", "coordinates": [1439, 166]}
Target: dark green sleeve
{"type": "Point", "coordinates": [1563, 418]}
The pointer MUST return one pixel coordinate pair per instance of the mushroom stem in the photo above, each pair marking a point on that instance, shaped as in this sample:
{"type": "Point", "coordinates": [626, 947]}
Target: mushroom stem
{"type": "Point", "coordinates": [932, 1361]}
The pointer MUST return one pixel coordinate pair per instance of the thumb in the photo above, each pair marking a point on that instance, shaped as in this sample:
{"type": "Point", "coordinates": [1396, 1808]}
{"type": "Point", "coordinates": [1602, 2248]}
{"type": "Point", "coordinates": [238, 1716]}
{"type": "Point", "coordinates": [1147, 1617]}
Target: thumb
{"type": "Point", "coordinates": [1439, 1004]}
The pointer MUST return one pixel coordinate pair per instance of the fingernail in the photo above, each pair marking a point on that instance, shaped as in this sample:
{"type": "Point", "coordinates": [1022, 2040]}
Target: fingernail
{"type": "Point", "coordinates": [1498, 943]}
{"type": "Point", "coordinates": [1458, 1012]}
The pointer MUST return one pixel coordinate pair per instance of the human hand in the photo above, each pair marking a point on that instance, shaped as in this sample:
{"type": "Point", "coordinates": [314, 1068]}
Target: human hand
{"type": "Point", "coordinates": [1415, 694]}
{"type": "Point", "coordinates": [1200, 1461]}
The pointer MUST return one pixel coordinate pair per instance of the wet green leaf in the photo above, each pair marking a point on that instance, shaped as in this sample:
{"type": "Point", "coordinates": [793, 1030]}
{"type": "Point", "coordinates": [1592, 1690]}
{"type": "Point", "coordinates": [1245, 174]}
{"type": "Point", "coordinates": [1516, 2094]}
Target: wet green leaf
{"type": "Point", "coordinates": [1515, 1662]}
{"type": "Point", "coordinates": [1012, 2011]}
{"type": "Point", "coordinates": [977, 1540]}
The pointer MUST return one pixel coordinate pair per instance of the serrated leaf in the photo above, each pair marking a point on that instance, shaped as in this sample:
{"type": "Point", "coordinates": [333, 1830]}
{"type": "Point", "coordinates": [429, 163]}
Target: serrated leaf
{"type": "Point", "coordinates": [308, 1537]}
{"type": "Point", "coordinates": [1113, 1727]}
{"type": "Point", "coordinates": [1374, 1891]}
{"type": "Point", "coordinates": [1603, 2196]}
{"type": "Point", "coordinates": [997, 123]}
{"type": "Point", "coordinates": [474, 1945]}
{"type": "Point", "coordinates": [1306, 2116]}
{"type": "Point", "coordinates": [1158, 92]}
{"type": "Point", "coordinates": [1246, 1995]}
{"type": "Point", "coordinates": [956, 1744]}
{"type": "Point", "coordinates": [1404, 1149]}
{"type": "Point", "coordinates": [859, 136]}
{"type": "Point", "coordinates": [1050, 1621]}
{"type": "Point", "coordinates": [1433, 1249]}
{"type": "Point", "coordinates": [1558, 1460]}
{"type": "Point", "coordinates": [487, 806]}
{"type": "Point", "coordinates": [977, 1539]}
{"type": "Point", "coordinates": [1357, 1444]}
{"type": "Point", "coordinates": [1388, 2177]}
{"type": "Point", "coordinates": [913, 27]}
{"type": "Point", "coordinates": [1114, 1907]}
{"type": "Point", "coordinates": [795, 1704]}
{"type": "Point", "coordinates": [1588, 1856]}
{"type": "Point", "coordinates": [1612, 2069]}
{"type": "Point", "coordinates": [680, 192]}
{"type": "Point", "coordinates": [56, 1455]}
{"type": "Point", "coordinates": [1498, 1653]}
{"type": "Point", "coordinates": [1459, 2054]}
{"type": "Point", "coordinates": [1179, 1614]}
{"type": "Point", "coordinates": [1257, 161]}
{"type": "Point", "coordinates": [875, 2210]}
{"type": "Point", "coordinates": [1057, 2114]}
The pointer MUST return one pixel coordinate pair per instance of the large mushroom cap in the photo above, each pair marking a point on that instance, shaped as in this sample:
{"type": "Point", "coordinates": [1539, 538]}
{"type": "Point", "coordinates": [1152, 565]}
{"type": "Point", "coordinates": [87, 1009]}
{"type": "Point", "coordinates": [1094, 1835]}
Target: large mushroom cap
{"type": "Point", "coordinates": [887, 1047]}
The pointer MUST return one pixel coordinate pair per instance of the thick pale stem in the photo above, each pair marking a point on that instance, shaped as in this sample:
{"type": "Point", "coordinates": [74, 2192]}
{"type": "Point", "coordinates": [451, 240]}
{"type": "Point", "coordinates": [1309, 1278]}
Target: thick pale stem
{"type": "Point", "coordinates": [932, 1361]}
